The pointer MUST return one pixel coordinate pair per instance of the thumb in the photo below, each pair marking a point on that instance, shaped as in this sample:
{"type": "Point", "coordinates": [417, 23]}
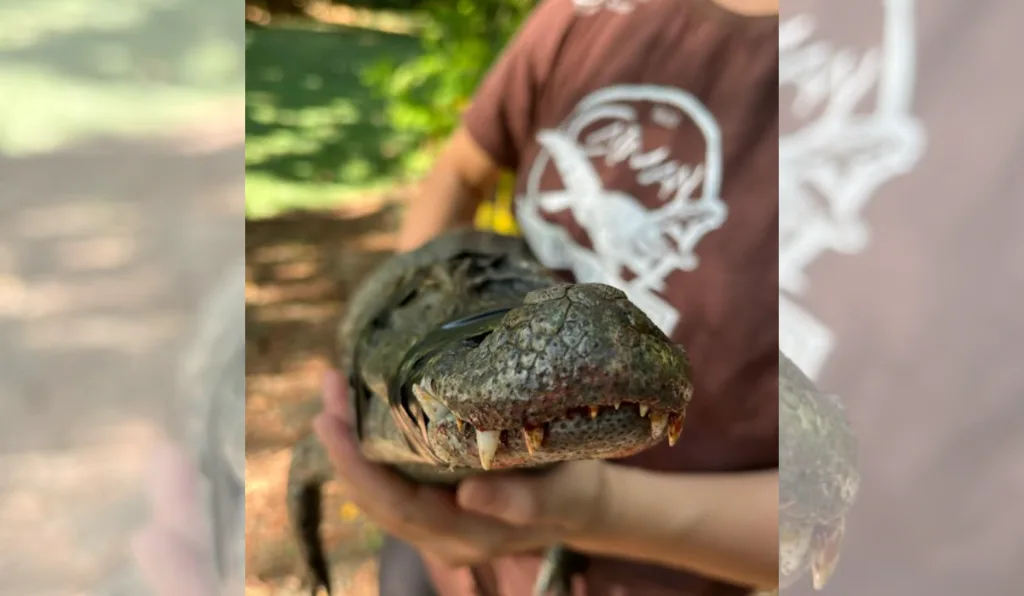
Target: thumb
{"type": "Point", "coordinates": [567, 496]}
{"type": "Point", "coordinates": [337, 402]}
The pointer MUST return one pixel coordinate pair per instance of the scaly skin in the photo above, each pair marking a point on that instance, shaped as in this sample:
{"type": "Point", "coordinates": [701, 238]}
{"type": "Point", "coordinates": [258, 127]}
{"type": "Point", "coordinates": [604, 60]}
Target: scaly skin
{"type": "Point", "coordinates": [572, 372]}
{"type": "Point", "coordinates": [818, 477]}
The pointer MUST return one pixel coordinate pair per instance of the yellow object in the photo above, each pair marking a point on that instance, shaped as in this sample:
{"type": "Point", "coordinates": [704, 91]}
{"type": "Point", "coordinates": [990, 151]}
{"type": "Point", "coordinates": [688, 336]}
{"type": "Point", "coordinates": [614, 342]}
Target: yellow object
{"type": "Point", "coordinates": [496, 215]}
{"type": "Point", "coordinates": [349, 511]}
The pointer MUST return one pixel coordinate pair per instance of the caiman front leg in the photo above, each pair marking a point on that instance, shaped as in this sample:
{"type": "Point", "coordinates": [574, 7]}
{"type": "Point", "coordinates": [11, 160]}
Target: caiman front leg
{"type": "Point", "coordinates": [310, 469]}
{"type": "Point", "coordinates": [557, 570]}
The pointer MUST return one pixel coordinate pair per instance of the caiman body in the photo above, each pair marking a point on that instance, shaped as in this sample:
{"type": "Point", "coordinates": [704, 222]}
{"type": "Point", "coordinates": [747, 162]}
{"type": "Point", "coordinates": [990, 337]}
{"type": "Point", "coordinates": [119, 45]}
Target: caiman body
{"type": "Point", "coordinates": [818, 477]}
{"type": "Point", "coordinates": [467, 357]}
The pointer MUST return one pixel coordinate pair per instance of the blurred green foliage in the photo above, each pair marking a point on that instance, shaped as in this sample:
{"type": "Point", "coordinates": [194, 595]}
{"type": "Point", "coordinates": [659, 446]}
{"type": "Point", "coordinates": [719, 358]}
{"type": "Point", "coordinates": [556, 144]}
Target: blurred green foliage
{"type": "Point", "coordinates": [296, 7]}
{"type": "Point", "coordinates": [425, 96]}
{"type": "Point", "coordinates": [315, 136]}
{"type": "Point", "coordinates": [334, 111]}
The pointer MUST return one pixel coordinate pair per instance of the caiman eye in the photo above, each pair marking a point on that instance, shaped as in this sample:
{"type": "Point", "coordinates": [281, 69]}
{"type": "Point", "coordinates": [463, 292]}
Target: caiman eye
{"type": "Point", "coordinates": [474, 341]}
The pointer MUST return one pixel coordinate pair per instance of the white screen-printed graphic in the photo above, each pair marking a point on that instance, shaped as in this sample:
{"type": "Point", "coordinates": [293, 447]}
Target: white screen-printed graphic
{"type": "Point", "coordinates": [840, 154]}
{"type": "Point", "coordinates": [626, 235]}
{"type": "Point", "coordinates": [619, 6]}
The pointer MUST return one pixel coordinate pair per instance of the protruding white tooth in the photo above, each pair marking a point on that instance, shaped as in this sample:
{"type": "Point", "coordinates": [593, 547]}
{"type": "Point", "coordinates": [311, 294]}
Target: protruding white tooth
{"type": "Point", "coordinates": [487, 442]}
{"type": "Point", "coordinates": [618, 405]}
{"type": "Point", "coordinates": [643, 410]}
{"type": "Point", "coordinates": [659, 424]}
{"type": "Point", "coordinates": [534, 438]}
{"type": "Point", "coordinates": [434, 409]}
{"type": "Point", "coordinates": [594, 411]}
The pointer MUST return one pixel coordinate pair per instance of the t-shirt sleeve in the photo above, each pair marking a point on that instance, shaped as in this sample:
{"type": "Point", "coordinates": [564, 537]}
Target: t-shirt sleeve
{"type": "Point", "coordinates": [501, 117]}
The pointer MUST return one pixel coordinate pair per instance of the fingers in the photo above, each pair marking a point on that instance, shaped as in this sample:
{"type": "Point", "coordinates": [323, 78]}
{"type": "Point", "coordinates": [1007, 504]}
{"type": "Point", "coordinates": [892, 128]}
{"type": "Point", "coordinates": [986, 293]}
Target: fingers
{"type": "Point", "coordinates": [512, 499]}
{"type": "Point", "coordinates": [174, 552]}
{"type": "Point", "coordinates": [349, 463]}
{"type": "Point", "coordinates": [336, 398]}
{"type": "Point", "coordinates": [566, 497]}
{"type": "Point", "coordinates": [173, 486]}
{"type": "Point", "coordinates": [414, 513]}
{"type": "Point", "coordinates": [171, 565]}
{"type": "Point", "coordinates": [388, 499]}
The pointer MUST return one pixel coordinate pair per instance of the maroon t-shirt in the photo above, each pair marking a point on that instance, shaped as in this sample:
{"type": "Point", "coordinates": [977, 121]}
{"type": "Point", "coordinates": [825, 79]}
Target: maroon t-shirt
{"type": "Point", "coordinates": [902, 277]}
{"type": "Point", "coordinates": [644, 136]}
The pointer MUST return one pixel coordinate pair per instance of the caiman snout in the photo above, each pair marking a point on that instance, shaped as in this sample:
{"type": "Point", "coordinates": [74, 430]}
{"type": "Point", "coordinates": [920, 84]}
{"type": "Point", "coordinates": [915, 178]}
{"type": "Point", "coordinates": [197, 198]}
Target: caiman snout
{"type": "Point", "coordinates": [615, 430]}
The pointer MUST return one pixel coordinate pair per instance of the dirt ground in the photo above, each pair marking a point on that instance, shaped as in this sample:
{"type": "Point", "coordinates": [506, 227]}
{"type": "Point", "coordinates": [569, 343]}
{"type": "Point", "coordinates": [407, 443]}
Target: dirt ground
{"type": "Point", "coordinates": [300, 269]}
{"type": "Point", "coordinates": [107, 248]}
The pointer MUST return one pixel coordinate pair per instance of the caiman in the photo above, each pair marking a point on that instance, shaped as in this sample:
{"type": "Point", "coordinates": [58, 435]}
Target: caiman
{"type": "Point", "coordinates": [467, 357]}
{"type": "Point", "coordinates": [818, 477]}
{"type": "Point", "coordinates": [212, 375]}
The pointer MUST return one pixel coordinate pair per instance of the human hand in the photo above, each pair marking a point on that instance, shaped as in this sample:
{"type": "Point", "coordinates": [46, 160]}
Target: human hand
{"type": "Point", "coordinates": [488, 517]}
{"type": "Point", "coordinates": [173, 551]}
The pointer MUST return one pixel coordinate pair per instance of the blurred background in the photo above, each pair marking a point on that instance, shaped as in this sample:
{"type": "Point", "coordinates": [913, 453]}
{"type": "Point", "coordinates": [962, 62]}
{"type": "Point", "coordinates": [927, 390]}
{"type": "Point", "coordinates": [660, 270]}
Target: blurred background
{"type": "Point", "coordinates": [121, 196]}
{"type": "Point", "coordinates": [899, 260]}
{"type": "Point", "coordinates": [346, 105]}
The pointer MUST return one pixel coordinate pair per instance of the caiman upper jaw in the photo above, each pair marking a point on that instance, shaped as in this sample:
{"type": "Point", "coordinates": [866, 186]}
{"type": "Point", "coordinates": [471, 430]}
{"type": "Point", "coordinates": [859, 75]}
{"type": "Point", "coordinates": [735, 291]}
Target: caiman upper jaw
{"type": "Point", "coordinates": [663, 423]}
{"type": "Point", "coordinates": [434, 409]}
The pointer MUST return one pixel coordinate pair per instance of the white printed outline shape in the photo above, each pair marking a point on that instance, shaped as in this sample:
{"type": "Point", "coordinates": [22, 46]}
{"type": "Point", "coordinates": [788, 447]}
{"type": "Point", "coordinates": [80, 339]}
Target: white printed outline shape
{"type": "Point", "coordinates": [591, 203]}
{"type": "Point", "coordinates": [589, 7]}
{"type": "Point", "coordinates": [802, 336]}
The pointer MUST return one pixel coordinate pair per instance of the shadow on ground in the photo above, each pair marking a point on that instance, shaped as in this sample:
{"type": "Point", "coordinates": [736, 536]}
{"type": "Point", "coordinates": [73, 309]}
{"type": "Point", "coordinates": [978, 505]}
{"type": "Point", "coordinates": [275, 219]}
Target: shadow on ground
{"type": "Point", "coordinates": [300, 270]}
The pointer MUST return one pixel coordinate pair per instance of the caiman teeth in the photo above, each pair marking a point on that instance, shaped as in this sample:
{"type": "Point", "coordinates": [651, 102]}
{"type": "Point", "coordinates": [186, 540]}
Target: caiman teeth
{"type": "Point", "coordinates": [659, 424]}
{"type": "Point", "coordinates": [618, 405]}
{"type": "Point", "coordinates": [594, 411]}
{"type": "Point", "coordinates": [487, 442]}
{"type": "Point", "coordinates": [534, 438]}
{"type": "Point", "coordinates": [643, 410]}
{"type": "Point", "coordinates": [675, 428]}
{"type": "Point", "coordinates": [434, 409]}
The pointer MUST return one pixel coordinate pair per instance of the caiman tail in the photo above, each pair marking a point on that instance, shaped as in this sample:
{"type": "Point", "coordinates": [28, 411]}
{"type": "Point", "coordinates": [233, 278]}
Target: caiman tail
{"type": "Point", "coordinates": [309, 471]}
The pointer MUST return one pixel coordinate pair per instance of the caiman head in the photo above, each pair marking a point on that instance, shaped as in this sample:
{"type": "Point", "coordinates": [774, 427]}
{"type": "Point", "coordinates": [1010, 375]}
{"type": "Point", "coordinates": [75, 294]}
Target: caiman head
{"type": "Point", "coordinates": [573, 372]}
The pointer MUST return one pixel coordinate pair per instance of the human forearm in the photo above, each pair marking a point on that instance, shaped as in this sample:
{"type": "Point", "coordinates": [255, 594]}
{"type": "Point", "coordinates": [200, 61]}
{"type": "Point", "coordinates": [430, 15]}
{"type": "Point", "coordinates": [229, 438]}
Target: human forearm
{"type": "Point", "coordinates": [441, 202]}
{"type": "Point", "coordinates": [449, 195]}
{"type": "Point", "coordinates": [718, 525]}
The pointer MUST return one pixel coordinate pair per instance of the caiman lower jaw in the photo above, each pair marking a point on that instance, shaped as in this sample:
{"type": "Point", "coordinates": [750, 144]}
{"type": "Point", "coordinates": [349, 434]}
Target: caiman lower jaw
{"type": "Point", "coordinates": [663, 424]}
{"type": "Point", "coordinates": [825, 542]}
